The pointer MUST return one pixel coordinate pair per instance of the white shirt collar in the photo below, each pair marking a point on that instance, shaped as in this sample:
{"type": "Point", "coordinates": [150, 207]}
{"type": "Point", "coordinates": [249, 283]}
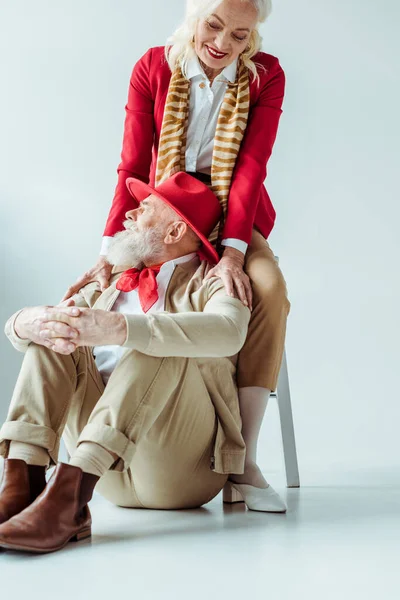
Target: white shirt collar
{"type": "Point", "coordinates": [176, 261]}
{"type": "Point", "coordinates": [194, 68]}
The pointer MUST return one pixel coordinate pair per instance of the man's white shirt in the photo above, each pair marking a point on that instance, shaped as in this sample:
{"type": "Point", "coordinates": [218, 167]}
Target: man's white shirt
{"type": "Point", "coordinates": [106, 357]}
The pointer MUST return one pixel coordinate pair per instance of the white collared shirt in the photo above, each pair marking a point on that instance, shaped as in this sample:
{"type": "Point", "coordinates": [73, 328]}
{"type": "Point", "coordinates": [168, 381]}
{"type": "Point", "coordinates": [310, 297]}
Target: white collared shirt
{"type": "Point", "coordinates": [205, 104]}
{"type": "Point", "coordinates": [106, 357]}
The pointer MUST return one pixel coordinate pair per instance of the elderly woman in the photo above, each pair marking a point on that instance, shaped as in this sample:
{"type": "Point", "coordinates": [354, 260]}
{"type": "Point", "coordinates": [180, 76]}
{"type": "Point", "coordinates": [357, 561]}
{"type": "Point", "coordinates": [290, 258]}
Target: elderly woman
{"type": "Point", "coordinates": [209, 103]}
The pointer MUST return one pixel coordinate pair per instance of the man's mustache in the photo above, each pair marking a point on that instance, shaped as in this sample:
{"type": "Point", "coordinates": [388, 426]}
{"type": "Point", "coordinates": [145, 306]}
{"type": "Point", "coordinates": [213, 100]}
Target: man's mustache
{"type": "Point", "coordinates": [130, 225]}
{"type": "Point", "coordinates": [129, 232]}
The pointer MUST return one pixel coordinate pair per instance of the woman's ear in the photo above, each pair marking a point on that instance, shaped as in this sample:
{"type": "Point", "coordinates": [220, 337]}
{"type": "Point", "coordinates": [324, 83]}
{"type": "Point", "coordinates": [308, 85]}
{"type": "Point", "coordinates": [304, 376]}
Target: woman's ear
{"type": "Point", "coordinates": [175, 232]}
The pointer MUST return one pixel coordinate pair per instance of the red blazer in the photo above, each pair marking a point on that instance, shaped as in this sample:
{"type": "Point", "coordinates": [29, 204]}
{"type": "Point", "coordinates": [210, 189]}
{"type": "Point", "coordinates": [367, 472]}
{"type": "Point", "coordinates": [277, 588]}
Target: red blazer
{"type": "Point", "coordinates": [248, 202]}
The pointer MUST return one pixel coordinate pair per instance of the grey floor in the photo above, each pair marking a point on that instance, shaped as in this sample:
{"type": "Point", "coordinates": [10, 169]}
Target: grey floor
{"type": "Point", "coordinates": [339, 539]}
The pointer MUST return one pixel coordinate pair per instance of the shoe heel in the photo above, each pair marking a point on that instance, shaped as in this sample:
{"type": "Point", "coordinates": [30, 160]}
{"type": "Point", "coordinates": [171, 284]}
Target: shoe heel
{"type": "Point", "coordinates": [81, 535]}
{"type": "Point", "coordinates": [230, 494]}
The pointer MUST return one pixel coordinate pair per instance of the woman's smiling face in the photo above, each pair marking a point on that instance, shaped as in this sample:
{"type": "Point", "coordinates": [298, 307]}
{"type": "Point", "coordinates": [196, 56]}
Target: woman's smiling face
{"type": "Point", "coordinates": [224, 34]}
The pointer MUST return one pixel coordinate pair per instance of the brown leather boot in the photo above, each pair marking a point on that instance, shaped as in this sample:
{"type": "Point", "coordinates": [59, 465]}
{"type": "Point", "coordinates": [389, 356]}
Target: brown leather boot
{"type": "Point", "coordinates": [21, 484]}
{"type": "Point", "coordinates": [59, 515]}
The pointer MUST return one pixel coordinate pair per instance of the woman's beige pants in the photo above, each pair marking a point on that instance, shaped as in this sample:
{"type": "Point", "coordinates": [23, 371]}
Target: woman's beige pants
{"type": "Point", "coordinates": [261, 356]}
{"type": "Point", "coordinates": [155, 413]}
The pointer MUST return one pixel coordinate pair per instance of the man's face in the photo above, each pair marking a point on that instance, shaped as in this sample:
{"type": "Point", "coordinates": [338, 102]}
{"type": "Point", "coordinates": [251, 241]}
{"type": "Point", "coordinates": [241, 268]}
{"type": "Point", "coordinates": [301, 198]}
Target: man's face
{"type": "Point", "coordinates": [142, 242]}
{"type": "Point", "coordinates": [151, 211]}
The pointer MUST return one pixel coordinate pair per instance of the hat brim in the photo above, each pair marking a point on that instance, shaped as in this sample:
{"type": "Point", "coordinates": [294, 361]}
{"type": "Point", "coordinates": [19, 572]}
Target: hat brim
{"type": "Point", "coordinates": [140, 190]}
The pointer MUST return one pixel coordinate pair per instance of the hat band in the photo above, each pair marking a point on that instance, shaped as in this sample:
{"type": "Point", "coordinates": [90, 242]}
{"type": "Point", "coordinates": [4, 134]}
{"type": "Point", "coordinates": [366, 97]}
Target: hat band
{"type": "Point", "coordinates": [204, 177]}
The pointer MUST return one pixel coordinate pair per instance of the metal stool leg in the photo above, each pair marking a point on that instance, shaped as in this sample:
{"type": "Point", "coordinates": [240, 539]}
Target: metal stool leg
{"type": "Point", "coordinates": [286, 417]}
{"type": "Point", "coordinates": [287, 428]}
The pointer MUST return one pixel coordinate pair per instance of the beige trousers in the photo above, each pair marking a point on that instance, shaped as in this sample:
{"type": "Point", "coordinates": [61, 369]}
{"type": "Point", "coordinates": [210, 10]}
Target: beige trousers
{"type": "Point", "coordinates": [261, 356]}
{"type": "Point", "coordinates": [155, 414]}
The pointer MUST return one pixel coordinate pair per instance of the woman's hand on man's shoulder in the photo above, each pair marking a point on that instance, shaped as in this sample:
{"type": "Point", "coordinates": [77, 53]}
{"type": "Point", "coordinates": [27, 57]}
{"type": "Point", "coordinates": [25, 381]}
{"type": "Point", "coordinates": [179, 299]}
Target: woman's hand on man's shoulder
{"type": "Point", "coordinates": [230, 270]}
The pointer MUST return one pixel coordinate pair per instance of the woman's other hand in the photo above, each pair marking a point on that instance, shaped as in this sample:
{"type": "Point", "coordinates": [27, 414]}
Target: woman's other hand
{"type": "Point", "coordinates": [230, 270]}
{"type": "Point", "coordinates": [101, 272]}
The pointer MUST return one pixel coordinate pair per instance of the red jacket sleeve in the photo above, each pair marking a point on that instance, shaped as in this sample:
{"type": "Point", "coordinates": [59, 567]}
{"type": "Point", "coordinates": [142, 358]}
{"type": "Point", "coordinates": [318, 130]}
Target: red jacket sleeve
{"type": "Point", "coordinates": [256, 148]}
{"type": "Point", "coordinates": [137, 142]}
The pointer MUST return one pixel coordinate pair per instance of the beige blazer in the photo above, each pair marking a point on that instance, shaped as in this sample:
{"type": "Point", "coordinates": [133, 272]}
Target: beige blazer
{"type": "Point", "coordinates": [201, 322]}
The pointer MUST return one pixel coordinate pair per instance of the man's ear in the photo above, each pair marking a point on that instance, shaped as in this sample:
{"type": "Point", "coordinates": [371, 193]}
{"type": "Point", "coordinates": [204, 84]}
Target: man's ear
{"type": "Point", "coordinates": [175, 232]}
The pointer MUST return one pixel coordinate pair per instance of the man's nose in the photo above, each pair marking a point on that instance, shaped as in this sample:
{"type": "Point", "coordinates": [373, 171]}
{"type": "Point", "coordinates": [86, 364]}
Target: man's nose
{"type": "Point", "coordinates": [131, 214]}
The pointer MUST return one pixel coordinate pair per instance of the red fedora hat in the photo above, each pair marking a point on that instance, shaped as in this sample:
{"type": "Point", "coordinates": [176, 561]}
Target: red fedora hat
{"type": "Point", "coordinates": [192, 199]}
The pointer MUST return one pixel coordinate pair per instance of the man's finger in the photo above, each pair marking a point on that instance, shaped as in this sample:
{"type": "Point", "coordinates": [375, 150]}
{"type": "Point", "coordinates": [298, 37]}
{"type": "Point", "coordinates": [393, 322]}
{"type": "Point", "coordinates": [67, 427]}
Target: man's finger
{"type": "Point", "coordinates": [61, 314]}
{"type": "Point", "coordinates": [48, 343]}
{"type": "Point", "coordinates": [54, 329]}
{"type": "Point", "coordinates": [62, 346]}
{"type": "Point", "coordinates": [74, 311]}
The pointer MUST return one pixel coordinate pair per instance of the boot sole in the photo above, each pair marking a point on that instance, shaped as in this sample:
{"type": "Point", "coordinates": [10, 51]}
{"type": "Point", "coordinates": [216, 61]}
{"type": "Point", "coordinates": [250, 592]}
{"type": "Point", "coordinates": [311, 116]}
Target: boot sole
{"type": "Point", "coordinates": [81, 535]}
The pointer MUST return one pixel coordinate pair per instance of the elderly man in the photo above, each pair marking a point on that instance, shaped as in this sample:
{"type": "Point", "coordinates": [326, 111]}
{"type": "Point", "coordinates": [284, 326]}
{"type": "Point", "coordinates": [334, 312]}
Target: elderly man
{"type": "Point", "coordinates": [138, 380]}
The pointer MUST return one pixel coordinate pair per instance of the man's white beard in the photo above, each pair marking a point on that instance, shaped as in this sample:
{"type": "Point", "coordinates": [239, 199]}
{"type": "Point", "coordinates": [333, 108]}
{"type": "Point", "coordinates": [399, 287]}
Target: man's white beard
{"type": "Point", "coordinates": [134, 248]}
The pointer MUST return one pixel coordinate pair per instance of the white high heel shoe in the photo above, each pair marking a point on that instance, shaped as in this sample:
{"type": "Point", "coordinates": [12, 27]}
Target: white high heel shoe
{"type": "Point", "coordinates": [263, 499]}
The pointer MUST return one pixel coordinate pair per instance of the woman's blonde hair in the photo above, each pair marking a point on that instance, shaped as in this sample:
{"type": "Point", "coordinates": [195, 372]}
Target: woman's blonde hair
{"type": "Point", "coordinates": [180, 45]}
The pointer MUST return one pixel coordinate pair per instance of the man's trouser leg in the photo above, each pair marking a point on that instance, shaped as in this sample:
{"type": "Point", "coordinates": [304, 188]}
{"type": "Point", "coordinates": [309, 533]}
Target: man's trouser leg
{"type": "Point", "coordinates": [155, 414]}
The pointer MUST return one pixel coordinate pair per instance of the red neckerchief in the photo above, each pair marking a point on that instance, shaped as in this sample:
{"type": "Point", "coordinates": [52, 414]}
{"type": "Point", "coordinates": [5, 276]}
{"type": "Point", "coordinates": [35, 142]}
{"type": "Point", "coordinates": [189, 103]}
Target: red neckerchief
{"type": "Point", "coordinates": [145, 280]}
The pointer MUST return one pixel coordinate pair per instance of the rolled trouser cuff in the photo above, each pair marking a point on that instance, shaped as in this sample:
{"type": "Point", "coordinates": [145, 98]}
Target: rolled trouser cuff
{"type": "Point", "coordinates": [111, 439]}
{"type": "Point", "coordinates": [39, 435]}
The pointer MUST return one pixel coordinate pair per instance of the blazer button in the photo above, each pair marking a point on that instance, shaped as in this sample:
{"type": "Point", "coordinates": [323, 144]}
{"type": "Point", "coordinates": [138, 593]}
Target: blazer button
{"type": "Point", "coordinates": [202, 85]}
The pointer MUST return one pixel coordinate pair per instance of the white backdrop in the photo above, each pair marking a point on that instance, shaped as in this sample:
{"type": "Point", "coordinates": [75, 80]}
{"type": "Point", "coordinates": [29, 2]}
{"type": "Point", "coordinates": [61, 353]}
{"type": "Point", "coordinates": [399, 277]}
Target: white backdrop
{"type": "Point", "coordinates": [65, 71]}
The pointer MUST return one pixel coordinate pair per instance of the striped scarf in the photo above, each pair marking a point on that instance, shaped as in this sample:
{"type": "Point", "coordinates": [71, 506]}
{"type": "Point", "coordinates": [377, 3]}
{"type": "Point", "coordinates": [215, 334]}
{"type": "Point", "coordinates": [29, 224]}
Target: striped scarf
{"type": "Point", "coordinates": [231, 125]}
